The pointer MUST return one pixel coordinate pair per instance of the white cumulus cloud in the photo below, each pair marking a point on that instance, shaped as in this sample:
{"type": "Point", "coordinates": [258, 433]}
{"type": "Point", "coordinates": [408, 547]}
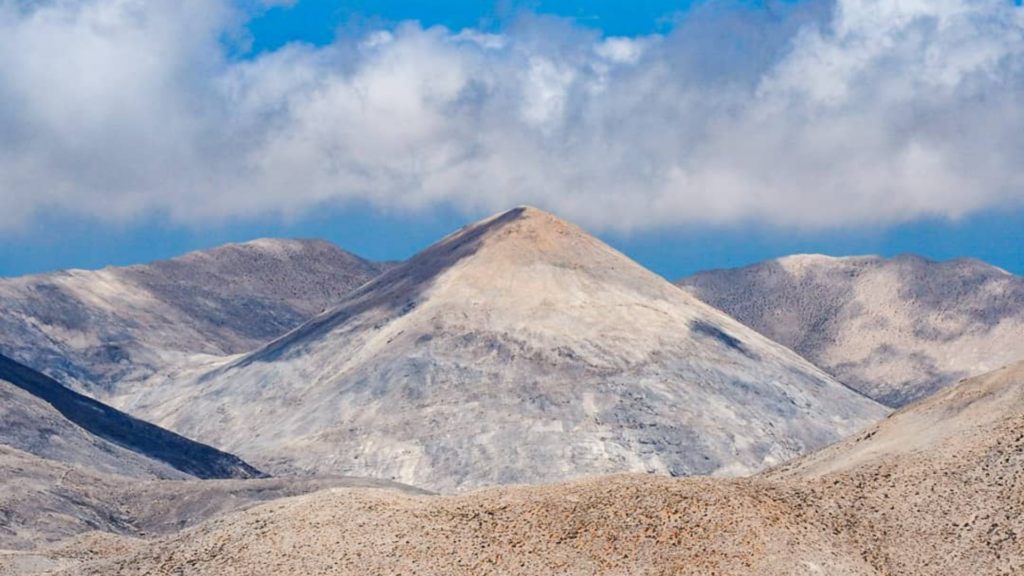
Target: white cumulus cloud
{"type": "Point", "coordinates": [866, 112]}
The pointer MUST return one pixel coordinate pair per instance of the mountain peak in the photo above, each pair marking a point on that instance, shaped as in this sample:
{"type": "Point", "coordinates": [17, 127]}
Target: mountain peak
{"type": "Point", "coordinates": [538, 220]}
{"type": "Point", "coordinates": [519, 264]}
{"type": "Point", "coordinates": [94, 330]}
{"type": "Point", "coordinates": [527, 211]}
{"type": "Point", "coordinates": [259, 248]}
{"type": "Point", "coordinates": [525, 227]}
{"type": "Point", "coordinates": [896, 329]}
{"type": "Point", "coordinates": [518, 349]}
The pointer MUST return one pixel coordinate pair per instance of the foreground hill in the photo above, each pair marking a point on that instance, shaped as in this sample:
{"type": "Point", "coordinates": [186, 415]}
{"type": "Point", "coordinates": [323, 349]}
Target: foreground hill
{"type": "Point", "coordinates": [935, 489]}
{"type": "Point", "coordinates": [92, 329]}
{"type": "Point", "coordinates": [895, 329]}
{"type": "Point", "coordinates": [517, 350]}
{"type": "Point", "coordinates": [44, 501]}
{"type": "Point", "coordinates": [41, 417]}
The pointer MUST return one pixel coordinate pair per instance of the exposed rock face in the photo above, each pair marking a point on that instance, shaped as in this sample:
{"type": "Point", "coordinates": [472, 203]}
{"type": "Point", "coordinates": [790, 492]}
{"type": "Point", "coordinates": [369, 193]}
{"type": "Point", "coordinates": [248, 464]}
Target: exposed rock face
{"type": "Point", "coordinates": [895, 329]}
{"type": "Point", "coordinates": [517, 350]}
{"type": "Point", "coordinates": [936, 489]}
{"type": "Point", "coordinates": [41, 417]}
{"type": "Point", "coordinates": [92, 329]}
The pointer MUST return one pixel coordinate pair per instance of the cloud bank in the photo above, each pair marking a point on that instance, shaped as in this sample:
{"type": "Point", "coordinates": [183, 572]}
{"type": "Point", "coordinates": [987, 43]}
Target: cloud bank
{"type": "Point", "coordinates": [815, 115]}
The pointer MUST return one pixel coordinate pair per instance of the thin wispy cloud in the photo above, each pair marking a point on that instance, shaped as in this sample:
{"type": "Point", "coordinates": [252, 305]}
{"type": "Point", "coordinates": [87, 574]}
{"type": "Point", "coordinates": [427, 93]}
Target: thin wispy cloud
{"type": "Point", "coordinates": [809, 115]}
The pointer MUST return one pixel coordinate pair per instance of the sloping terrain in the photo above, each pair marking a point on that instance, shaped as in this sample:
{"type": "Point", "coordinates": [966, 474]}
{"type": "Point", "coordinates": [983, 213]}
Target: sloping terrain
{"type": "Point", "coordinates": [608, 526]}
{"type": "Point", "coordinates": [895, 329]}
{"type": "Point", "coordinates": [70, 465]}
{"type": "Point", "coordinates": [934, 490]}
{"type": "Point", "coordinates": [92, 329]}
{"type": "Point", "coordinates": [43, 501]}
{"type": "Point", "coordinates": [518, 350]}
{"type": "Point", "coordinates": [40, 416]}
{"type": "Point", "coordinates": [969, 420]}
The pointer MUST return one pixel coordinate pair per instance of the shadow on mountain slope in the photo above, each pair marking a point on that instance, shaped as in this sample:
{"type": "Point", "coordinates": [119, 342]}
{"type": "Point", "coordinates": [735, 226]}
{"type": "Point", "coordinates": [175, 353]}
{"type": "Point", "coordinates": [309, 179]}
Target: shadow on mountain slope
{"type": "Point", "coordinates": [114, 426]}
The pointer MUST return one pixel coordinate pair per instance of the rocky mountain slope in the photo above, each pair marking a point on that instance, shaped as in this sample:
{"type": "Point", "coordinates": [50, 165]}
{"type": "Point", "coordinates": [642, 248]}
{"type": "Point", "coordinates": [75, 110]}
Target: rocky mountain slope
{"type": "Point", "coordinates": [936, 489]}
{"type": "Point", "coordinates": [92, 329]}
{"type": "Point", "coordinates": [70, 465]}
{"type": "Point", "coordinates": [517, 350]}
{"type": "Point", "coordinates": [41, 417]}
{"type": "Point", "coordinates": [895, 329]}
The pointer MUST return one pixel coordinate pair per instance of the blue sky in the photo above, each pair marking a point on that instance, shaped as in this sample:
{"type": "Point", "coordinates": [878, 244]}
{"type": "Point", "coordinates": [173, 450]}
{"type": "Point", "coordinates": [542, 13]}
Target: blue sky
{"type": "Point", "coordinates": [317, 21]}
{"type": "Point", "coordinates": [995, 237]}
{"type": "Point", "coordinates": [98, 200]}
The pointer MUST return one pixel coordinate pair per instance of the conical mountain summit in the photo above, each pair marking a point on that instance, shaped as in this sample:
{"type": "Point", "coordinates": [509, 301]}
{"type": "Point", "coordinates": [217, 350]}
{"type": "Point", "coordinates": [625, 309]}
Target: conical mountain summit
{"type": "Point", "coordinates": [519, 349]}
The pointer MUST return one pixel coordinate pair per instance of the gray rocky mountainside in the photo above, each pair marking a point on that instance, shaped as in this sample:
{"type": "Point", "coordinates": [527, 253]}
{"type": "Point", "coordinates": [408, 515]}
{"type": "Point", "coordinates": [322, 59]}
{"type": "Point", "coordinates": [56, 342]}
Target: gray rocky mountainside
{"type": "Point", "coordinates": [517, 350]}
{"type": "Point", "coordinates": [94, 329]}
{"type": "Point", "coordinates": [936, 489]}
{"type": "Point", "coordinates": [70, 465]}
{"type": "Point", "coordinates": [895, 329]}
{"type": "Point", "coordinates": [42, 417]}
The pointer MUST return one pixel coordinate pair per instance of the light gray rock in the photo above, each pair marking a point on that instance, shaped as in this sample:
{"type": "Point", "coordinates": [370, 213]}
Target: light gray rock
{"type": "Point", "coordinates": [895, 329]}
{"type": "Point", "coordinates": [517, 350]}
{"type": "Point", "coordinates": [97, 331]}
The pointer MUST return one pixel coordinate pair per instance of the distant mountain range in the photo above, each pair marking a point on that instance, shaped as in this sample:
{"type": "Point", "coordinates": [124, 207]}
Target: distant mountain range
{"type": "Point", "coordinates": [894, 329]}
{"type": "Point", "coordinates": [517, 350]}
{"type": "Point", "coordinates": [96, 331]}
